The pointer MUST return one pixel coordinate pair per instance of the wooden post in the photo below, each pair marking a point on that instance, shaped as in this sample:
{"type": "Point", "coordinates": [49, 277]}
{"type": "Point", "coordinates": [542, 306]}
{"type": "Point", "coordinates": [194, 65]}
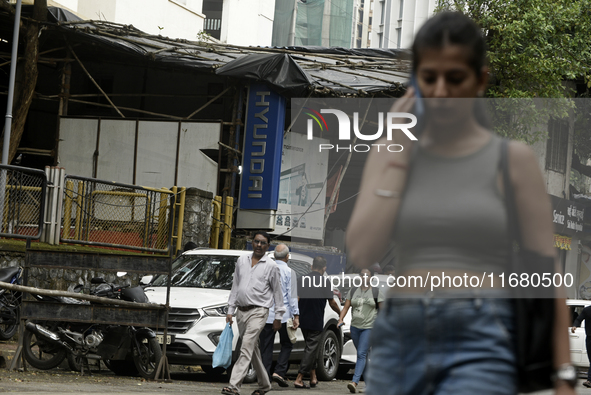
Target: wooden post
{"type": "Point", "coordinates": [27, 75]}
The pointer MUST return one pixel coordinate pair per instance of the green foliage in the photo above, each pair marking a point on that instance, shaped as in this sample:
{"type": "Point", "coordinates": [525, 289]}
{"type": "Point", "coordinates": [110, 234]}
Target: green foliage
{"type": "Point", "coordinates": [579, 181]}
{"type": "Point", "coordinates": [582, 127]}
{"type": "Point", "coordinates": [533, 47]}
{"type": "Point", "coordinates": [203, 36]}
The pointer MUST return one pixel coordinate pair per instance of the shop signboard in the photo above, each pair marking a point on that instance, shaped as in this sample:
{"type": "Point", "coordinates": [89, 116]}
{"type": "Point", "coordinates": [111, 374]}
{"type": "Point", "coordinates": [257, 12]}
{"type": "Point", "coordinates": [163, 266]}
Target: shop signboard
{"type": "Point", "coordinates": [567, 216]}
{"type": "Point", "coordinates": [263, 140]}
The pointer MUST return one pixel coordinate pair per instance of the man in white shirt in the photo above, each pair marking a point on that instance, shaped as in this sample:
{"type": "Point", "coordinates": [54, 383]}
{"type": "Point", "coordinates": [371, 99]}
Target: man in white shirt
{"type": "Point", "coordinates": [289, 286]}
{"type": "Point", "coordinates": [255, 287]}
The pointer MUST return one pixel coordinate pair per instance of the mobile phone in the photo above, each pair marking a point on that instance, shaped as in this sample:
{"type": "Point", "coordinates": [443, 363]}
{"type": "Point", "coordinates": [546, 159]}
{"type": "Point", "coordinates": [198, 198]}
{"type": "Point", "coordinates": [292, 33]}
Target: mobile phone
{"type": "Point", "coordinates": [419, 106]}
{"type": "Point", "coordinates": [341, 324]}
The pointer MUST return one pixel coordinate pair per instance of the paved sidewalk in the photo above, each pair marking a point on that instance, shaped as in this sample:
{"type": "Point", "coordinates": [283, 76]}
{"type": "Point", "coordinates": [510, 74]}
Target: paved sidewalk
{"type": "Point", "coordinates": [59, 381]}
{"type": "Point", "coordinates": [184, 379]}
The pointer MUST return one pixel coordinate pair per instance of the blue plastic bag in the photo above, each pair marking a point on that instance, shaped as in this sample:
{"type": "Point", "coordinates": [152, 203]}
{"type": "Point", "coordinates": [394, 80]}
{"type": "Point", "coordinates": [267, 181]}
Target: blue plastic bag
{"type": "Point", "coordinates": [222, 356]}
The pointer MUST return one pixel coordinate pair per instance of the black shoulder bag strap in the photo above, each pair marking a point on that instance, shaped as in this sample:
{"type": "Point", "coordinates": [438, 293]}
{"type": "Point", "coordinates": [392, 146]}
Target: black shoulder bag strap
{"type": "Point", "coordinates": [375, 293]}
{"type": "Point", "coordinates": [534, 315]}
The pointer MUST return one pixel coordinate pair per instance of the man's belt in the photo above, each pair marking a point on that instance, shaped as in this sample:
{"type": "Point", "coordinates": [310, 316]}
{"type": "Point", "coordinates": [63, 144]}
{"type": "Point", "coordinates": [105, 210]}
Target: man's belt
{"type": "Point", "coordinates": [247, 308]}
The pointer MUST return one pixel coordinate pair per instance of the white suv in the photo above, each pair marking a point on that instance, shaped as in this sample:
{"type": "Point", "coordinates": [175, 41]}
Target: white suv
{"type": "Point", "coordinates": [200, 287]}
{"type": "Point", "coordinates": [578, 348]}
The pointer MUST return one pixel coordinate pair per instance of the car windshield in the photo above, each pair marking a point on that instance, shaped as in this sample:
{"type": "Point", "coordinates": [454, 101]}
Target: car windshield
{"type": "Point", "coordinates": [200, 271]}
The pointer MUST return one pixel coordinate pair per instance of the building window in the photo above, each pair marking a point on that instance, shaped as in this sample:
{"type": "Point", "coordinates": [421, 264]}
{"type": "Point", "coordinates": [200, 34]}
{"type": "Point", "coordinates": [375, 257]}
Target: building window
{"type": "Point", "coordinates": [398, 37]}
{"type": "Point", "coordinates": [401, 8]}
{"type": "Point", "coordinates": [380, 39]}
{"type": "Point", "coordinates": [213, 18]}
{"type": "Point", "coordinates": [557, 145]}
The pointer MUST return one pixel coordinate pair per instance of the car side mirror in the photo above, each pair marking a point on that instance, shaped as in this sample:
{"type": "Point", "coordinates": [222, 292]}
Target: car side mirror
{"type": "Point", "coordinates": [146, 280]}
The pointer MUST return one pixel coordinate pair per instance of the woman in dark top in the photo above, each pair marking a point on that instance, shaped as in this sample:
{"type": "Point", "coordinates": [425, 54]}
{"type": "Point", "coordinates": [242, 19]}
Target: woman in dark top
{"type": "Point", "coordinates": [448, 216]}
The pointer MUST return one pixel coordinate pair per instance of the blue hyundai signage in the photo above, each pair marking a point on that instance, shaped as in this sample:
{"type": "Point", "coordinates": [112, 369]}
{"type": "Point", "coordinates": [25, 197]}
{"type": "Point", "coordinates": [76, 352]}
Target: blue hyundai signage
{"type": "Point", "coordinates": [263, 142]}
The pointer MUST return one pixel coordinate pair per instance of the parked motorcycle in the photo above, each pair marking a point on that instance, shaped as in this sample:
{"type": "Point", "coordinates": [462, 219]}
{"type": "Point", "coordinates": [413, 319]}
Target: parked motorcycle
{"type": "Point", "coordinates": [10, 302]}
{"type": "Point", "coordinates": [126, 350]}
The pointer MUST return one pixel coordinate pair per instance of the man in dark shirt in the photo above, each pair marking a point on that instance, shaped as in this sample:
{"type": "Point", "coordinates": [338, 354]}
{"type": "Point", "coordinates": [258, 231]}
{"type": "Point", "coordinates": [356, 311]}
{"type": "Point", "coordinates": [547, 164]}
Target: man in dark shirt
{"type": "Point", "coordinates": [585, 314]}
{"type": "Point", "coordinates": [314, 289]}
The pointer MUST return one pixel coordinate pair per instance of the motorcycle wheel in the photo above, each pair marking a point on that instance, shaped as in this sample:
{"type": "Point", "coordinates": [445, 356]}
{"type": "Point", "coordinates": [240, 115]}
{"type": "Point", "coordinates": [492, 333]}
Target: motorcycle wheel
{"type": "Point", "coordinates": [74, 362]}
{"type": "Point", "coordinates": [40, 353]}
{"type": "Point", "coordinates": [8, 329]}
{"type": "Point", "coordinates": [147, 358]}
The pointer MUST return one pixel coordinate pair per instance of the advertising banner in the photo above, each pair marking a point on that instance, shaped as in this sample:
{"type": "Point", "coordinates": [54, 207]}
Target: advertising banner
{"type": "Point", "coordinates": [302, 190]}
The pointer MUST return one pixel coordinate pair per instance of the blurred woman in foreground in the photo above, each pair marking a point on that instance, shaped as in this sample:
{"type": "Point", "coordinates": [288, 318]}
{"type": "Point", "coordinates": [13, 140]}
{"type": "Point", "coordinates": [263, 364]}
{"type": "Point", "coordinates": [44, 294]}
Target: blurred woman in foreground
{"type": "Point", "coordinates": [444, 206]}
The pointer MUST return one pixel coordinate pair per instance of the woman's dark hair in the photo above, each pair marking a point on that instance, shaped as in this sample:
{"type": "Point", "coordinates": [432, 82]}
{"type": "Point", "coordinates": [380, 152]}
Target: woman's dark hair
{"type": "Point", "coordinates": [453, 28]}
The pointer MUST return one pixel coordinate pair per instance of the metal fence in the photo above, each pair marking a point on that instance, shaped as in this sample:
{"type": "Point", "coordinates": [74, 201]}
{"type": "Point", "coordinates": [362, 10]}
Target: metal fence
{"type": "Point", "coordinates": [97, 212]}
{"type": "Point", "coordinates": [22, 202]}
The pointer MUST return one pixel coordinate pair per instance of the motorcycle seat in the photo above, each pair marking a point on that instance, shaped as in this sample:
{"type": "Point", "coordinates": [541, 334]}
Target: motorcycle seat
{"type": "Point", "coordinates": [8, 273]}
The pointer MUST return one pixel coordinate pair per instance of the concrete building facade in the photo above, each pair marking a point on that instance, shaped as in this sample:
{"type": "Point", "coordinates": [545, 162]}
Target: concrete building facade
{"type": "Point", "coordinates": [395, 22]}
{"type": "Point", "coordinates": [171, 18]}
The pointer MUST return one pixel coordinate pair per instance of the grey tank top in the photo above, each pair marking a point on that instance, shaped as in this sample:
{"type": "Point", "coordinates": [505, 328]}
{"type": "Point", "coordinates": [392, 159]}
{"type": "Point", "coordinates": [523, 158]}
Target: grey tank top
{"type": "Point", "coordinates": [452, 215]}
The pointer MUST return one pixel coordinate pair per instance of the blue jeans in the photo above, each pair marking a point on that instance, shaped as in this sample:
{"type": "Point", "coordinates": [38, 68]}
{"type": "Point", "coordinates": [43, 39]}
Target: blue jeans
{"type": "Point", "coordinates": [361, 340]}
{"type": "Point", "coordinates": [443, 346]}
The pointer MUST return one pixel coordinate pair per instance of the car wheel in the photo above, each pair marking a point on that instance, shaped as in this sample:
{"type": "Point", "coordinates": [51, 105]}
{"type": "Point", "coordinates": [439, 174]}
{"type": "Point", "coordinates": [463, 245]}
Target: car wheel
{"type": "Point", "coordinates": [211, 371]}
{"type": "Point", "coordinates": [329, 356]}
{"type": "Point", "coordinates": [251, 375]}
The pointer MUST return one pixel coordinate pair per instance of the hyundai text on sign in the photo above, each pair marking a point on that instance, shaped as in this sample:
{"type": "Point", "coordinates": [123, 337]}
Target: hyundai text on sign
{"type": "Point", "coordinates": [263, 140]}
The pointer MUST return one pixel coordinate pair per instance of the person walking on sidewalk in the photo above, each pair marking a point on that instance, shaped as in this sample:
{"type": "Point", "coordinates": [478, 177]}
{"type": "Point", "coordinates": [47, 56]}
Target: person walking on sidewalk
{"type": "Point", "coordinates": [365, 301]}
{"type": "Point", "coordinates": [314, 289]}
{"type": "Point", "coordinates": [585, 314]}
{"type": "Point", "coordinates": [290, 300]}
{"type": "Point", "coordinates": [255, 287]}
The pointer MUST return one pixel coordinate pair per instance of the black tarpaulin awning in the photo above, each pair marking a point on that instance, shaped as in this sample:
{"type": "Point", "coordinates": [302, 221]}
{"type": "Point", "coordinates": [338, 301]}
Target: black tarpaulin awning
{"type": "Point", "coordinates": [279, 71]}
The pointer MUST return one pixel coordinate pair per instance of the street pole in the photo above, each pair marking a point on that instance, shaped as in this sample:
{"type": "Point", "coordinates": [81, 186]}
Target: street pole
{"type": "Point", "coordinates": [325, 40]}
{"type": "Point", "coordinates": [292, 26]}
{"type": "Point", "coordinates": [8, 122]}
{"type": "Point", "coordinates": [13, 62]}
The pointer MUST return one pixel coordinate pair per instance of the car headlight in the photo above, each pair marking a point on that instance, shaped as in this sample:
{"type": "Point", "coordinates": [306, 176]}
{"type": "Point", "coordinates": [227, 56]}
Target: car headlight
{"type": "Point", "coordinates": [216, 311]}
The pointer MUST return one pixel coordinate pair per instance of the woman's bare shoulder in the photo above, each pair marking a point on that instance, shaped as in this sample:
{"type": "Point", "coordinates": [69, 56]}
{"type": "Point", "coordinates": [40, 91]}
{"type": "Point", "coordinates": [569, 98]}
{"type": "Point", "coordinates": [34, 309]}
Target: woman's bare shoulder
{"type": "Point", "coordinates": [523, 161]}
